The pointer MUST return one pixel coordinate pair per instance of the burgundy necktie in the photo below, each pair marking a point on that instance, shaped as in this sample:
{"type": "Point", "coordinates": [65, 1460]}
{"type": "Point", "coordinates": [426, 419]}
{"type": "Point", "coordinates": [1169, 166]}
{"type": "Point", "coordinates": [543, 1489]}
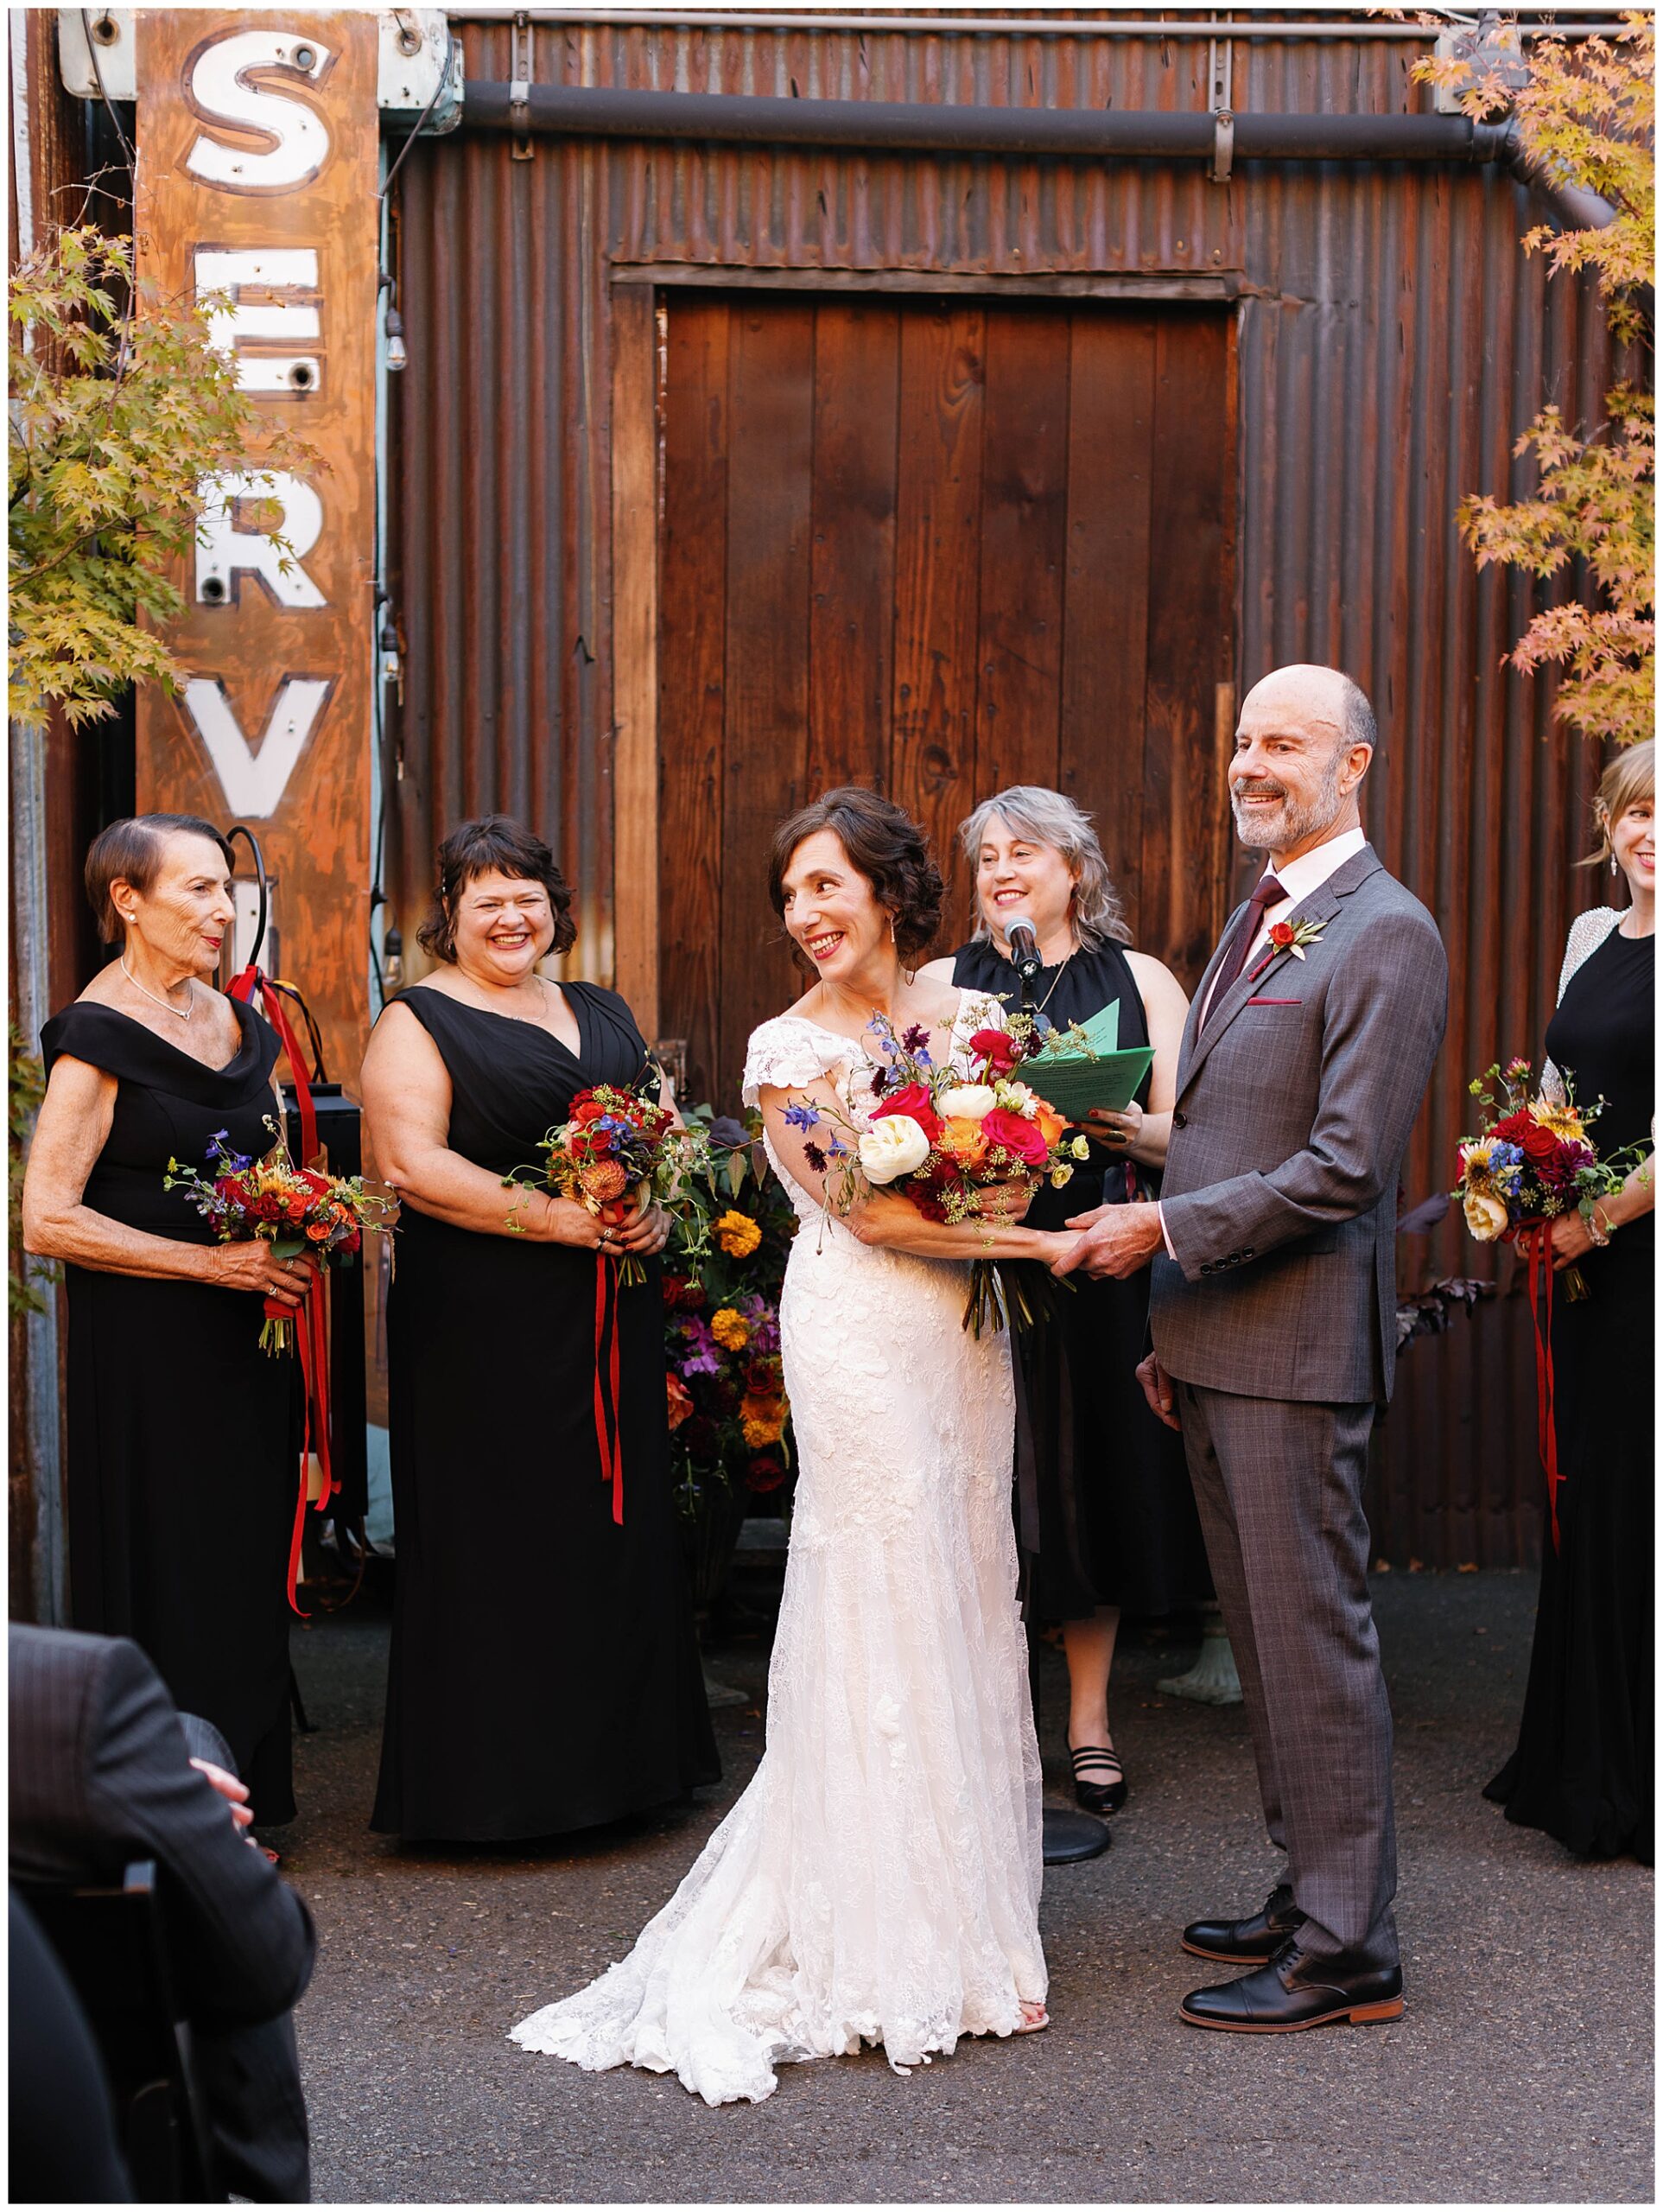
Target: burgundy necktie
{"type": "Point", "coordinates": [1266, 893]}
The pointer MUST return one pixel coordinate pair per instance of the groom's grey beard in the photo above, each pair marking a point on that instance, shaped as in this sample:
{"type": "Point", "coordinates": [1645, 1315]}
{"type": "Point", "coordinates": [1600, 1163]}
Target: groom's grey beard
{"type": "Point", "coordinates": [1291, 824]}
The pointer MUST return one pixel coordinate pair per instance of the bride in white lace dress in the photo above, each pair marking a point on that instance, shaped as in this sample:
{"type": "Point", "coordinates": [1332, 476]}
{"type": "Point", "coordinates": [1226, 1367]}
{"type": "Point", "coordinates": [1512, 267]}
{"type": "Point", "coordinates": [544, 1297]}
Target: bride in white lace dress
{"type": "Point", "coordinates": [879, 1881]}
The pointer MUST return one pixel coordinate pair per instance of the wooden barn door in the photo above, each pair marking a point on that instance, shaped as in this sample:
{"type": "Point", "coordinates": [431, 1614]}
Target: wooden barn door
{"type": "Point", "coordinates": [937, 548]}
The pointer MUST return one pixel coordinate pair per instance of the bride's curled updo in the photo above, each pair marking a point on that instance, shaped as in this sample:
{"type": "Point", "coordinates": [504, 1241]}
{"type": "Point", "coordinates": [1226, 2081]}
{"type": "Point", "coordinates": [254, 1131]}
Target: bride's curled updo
{"type": "Point", "coordinates": [885, 845]}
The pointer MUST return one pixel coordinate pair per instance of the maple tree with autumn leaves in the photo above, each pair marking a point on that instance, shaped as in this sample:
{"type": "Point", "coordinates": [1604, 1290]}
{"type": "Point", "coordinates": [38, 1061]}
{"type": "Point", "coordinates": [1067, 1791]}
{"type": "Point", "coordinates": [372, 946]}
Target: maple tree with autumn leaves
{"type": "Point", "coordinates": [122, 408]}
{"type": "Point", "coordinates": [1585, 113]}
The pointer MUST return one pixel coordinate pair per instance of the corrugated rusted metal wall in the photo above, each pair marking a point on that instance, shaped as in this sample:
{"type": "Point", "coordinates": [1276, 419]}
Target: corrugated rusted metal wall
{"type": "Point", "coordinates": [1393, 342]}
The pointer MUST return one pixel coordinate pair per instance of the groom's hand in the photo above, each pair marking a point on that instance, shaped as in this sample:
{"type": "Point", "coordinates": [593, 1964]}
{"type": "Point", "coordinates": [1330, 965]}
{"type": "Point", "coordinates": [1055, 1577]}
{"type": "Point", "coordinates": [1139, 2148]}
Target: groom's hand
{"type": "Point", "coordinates": [1157, 1389]}
{"type": "Point", "coordinates": [1118, 1240]}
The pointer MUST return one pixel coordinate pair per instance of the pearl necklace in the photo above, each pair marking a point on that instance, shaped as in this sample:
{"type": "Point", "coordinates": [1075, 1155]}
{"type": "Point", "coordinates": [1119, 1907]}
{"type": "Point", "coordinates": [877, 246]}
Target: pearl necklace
{"type": "Point", "coordinates": [155, 1001]}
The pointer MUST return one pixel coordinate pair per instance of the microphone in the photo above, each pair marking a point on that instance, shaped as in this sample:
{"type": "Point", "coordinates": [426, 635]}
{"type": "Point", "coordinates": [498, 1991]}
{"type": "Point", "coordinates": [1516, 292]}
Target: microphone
{"type": "Point", "coordinates": [1025, 947]}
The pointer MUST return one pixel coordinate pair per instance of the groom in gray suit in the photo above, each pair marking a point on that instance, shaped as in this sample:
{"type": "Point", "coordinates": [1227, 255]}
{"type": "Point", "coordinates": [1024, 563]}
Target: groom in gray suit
{"type": "Point", "coordinates": [1273, 1310]}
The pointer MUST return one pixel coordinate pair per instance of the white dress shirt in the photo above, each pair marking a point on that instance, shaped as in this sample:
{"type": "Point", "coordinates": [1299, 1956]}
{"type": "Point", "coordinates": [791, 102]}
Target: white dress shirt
{"type": "Point", "coordinates": [1298, 879]}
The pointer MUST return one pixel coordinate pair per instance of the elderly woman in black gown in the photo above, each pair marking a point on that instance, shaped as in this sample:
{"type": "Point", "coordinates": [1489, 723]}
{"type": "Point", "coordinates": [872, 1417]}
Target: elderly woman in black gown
{"type": "Point", "coordinates": [183, 1438]}
{"type": "Point", "coordinates": [544, 1674]}
{"type": "Point", "coordinates": [1582, 1770]}
{"type": "Point", "coordinates": [1110, 1524]}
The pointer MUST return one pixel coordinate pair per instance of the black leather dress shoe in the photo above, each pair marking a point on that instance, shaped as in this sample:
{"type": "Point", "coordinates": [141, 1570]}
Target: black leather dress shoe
{"type": "Point", "coordinates": [1294, 1991]}
{"type": "Point", "coordinates": [1253, 1942]}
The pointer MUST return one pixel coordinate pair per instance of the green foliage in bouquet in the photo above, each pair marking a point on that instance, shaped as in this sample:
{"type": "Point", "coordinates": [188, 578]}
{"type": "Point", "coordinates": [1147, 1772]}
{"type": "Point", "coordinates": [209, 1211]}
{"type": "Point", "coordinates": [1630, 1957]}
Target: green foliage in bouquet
{"type": "Point", "coordinates": [120, 408]}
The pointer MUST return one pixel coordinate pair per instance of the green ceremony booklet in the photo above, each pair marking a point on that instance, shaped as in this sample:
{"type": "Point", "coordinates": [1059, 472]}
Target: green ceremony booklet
{"type": "Point", "coordinates": [1074, 1082]}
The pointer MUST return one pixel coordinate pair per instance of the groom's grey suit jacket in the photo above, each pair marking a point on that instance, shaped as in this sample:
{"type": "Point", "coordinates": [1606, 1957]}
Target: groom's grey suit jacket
{"type": "Point", "coordinates": [1293, 1110]}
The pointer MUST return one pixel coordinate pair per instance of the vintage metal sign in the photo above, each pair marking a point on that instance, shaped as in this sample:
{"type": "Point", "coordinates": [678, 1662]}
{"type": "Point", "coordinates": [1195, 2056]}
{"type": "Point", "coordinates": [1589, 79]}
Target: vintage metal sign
{"type": "Point", "coordinates": [257, 135]}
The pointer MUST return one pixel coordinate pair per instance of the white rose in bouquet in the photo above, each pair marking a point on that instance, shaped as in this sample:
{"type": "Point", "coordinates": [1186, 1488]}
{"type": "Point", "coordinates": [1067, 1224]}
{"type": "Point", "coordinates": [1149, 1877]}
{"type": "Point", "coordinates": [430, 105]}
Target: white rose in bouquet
{"type": "Point", "coordinates": [1487, 1217]}
{"type": "Point", "coordinates": [893, 1146]}
{"type": "Point", "coordinates": [967, 1102]}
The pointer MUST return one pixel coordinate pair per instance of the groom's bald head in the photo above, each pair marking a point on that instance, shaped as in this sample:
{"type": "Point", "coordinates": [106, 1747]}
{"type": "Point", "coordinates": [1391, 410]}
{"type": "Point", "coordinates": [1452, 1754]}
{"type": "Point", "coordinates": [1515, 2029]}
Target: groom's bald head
{"type": "Point", "coordinates": [1303, 745]}
{"type": "Point", "coordinates": [1320, 698]}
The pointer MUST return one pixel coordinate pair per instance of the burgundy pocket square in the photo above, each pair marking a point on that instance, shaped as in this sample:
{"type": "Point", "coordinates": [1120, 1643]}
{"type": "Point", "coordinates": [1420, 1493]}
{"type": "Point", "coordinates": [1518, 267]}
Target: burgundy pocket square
{"type": "Point", "coordinates": [1275, 1001]}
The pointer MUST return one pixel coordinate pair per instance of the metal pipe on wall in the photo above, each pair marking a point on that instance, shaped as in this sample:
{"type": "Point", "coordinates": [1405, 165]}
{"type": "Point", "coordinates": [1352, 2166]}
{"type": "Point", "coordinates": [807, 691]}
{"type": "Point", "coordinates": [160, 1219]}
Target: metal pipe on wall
{"type": "Point", "coordinates": [1331, 27]}
{"type": "Point", "coordinates": [606, 111]}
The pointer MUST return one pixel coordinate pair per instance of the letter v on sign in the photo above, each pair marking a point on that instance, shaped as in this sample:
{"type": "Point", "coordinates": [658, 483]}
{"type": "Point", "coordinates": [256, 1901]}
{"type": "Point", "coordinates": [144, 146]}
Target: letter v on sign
{"type": "Point", "coordinates": [254, 782]}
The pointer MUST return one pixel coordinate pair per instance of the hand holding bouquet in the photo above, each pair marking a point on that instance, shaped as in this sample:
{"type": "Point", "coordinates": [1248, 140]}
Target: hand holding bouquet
{"type": "Point", "coordinates": [1531, 1161]}
{"type": "Point", "coordinates": [948, 1142]}
{"type": "Point", "coordinates": [618, 1149]}
{"type": "Point", "coordinates": [299, 1211]}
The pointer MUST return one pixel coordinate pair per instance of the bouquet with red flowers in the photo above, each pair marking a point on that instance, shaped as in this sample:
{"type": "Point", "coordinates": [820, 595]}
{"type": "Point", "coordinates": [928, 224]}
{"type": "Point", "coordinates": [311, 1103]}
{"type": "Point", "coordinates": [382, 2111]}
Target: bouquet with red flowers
{"type": "Point", "coordinates": [1531, 1162]}
{"type": "Point", "coordinates": [941, 1137]}
{"type": "Point", "coordinates": [294, 1210]}
{"type": "Point", "coordinates": [619, 1146]}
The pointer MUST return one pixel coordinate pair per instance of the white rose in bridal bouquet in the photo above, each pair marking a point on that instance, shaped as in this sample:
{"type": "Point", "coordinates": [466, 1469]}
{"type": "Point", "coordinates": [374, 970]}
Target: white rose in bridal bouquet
{"type": "Point", "coordinates": [893, 1147]}
{"type": "Point", "coordinates": [967, 1102]}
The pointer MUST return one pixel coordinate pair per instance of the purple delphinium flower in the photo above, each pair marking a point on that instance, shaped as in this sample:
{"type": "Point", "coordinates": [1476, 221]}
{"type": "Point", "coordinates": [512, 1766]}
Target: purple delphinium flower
{"type": "Point", "coordinates": [802, 1115]}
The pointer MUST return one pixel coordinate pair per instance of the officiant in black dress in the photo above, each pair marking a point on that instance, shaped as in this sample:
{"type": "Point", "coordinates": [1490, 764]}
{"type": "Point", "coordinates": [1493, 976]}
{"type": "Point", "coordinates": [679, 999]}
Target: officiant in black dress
{"type": "Point", "coordinates": [1108, 1522]}
{"type": "Point", "coordinates": [1582, 1770]}
{"type": "Point", "coordinates": [184, 1439]}
{"type": "Point", "coordinates": [545, 1675]}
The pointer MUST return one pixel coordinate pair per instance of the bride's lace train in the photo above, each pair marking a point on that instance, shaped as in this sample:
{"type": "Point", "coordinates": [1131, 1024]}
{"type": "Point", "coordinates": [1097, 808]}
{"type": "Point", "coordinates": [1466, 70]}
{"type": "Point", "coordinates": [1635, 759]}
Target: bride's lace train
{"type": "Point", "coordinates": [879, 1878]}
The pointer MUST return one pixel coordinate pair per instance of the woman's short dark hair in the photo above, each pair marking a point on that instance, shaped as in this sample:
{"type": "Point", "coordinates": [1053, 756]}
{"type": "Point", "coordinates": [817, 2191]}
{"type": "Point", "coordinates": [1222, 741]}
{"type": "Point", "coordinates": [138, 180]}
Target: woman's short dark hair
{"type": "Point", "coordinates": [494, 845]}
{"type": "Point", "coordinates": [130, 851]}
{"type": "Point", "coordinates": [885, 844]}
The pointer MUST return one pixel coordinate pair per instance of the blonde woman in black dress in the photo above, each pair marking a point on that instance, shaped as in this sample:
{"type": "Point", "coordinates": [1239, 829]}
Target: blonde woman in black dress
{"type": "Point", "coordinates": [1582, 1770]}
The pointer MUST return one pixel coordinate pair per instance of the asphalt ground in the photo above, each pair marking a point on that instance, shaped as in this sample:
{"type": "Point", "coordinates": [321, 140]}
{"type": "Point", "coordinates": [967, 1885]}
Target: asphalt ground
{"type": "Point", "coordinates": [1521, 2070]}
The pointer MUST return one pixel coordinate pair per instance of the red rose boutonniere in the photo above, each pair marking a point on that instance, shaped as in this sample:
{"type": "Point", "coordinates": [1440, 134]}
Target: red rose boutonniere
{"type": "Point", "coordinates": [1290, 937]}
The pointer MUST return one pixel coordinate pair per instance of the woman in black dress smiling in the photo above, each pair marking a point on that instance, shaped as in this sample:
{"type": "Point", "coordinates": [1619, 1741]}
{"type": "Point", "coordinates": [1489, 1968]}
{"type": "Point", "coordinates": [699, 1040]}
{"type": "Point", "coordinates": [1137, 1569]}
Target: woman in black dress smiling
{"type": "Point", "coordinates": [544, 1674]}
{"type": "Point", "coordinates": [184, 1438]}
{"type": "Point", "coordinates": [1582, 1769]}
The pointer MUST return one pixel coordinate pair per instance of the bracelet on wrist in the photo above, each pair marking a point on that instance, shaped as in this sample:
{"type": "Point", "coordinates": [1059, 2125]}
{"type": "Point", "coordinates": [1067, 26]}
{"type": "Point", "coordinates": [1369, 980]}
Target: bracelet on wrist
{"type": "Point", "coordinates": [1600, 1230]}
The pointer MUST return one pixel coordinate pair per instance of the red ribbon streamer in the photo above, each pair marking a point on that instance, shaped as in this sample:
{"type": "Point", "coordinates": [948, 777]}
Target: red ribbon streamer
{"type": "Point", "coordinates": [607, 1424]}
{"type": "Point", "coordinates": [310, 1323]}
{"type": "Point", "coordinates": [244, 987]}
{"type": "Point", "coordinates": [1537, 1243]}
{"type": "Point", "coordinates": [312, 1342]}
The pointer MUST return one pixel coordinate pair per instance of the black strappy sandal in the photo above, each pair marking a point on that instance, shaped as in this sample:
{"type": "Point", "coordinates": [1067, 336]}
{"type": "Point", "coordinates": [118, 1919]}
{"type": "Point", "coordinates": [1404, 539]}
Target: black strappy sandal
{"type": "Point", "coordinates": [1099, 1779]}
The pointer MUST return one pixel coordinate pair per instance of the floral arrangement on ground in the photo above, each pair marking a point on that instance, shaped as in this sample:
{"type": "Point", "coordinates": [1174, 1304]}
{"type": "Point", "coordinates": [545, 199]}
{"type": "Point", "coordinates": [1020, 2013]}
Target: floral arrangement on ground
{"type": "Point", "coordinates": [729, 1419]}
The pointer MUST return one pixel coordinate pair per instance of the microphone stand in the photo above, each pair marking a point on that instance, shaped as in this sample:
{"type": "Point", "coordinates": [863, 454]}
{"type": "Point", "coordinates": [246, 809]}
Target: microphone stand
{"type": "Point", "coordinates": [1067, 1836]}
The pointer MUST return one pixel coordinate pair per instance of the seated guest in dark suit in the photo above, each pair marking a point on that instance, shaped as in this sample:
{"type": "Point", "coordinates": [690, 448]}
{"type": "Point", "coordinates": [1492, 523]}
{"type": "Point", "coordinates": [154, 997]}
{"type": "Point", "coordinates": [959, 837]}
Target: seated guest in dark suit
{"type": "Point", "coordinates": [102, 1773]}
{"type": "Point", "coordinates": [60, 2132]}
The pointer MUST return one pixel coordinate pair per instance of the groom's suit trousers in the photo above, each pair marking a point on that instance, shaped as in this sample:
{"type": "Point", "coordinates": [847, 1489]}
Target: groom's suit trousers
{"type": "Point", "coordinates": [1279, 1485]}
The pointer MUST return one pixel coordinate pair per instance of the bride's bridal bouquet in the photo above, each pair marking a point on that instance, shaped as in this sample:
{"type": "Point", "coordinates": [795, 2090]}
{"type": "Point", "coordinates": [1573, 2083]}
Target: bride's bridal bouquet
{"type": "Point", "coordinates": [943, 1139]}
{"type": "Point", "coordinates": [618, 1148]}
{"type": "Point", "coordinates": [294, 1210]}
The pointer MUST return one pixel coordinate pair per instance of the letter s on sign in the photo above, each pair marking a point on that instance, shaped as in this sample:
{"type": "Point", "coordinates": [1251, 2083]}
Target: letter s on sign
{"type": "Point", "coordinates": [296, 141]}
